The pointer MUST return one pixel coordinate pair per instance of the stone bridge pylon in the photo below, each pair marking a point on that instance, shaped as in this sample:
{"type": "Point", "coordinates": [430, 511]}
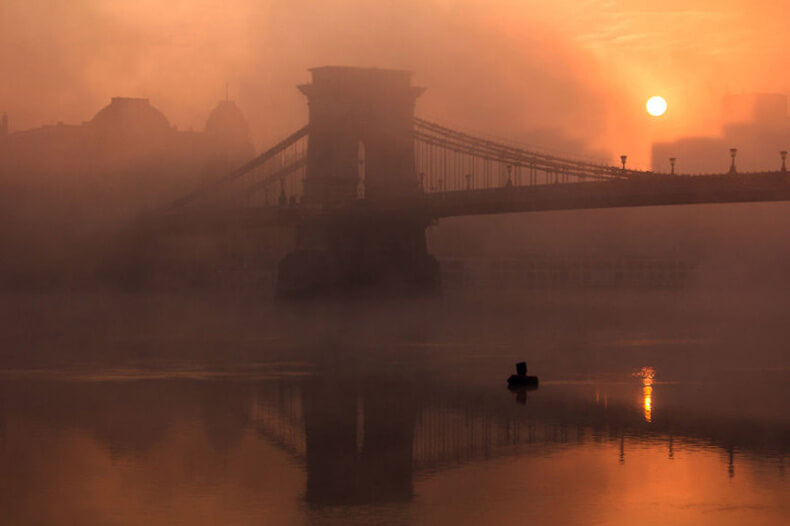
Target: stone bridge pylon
{"type": "Point", "coordinates": [361, 141]}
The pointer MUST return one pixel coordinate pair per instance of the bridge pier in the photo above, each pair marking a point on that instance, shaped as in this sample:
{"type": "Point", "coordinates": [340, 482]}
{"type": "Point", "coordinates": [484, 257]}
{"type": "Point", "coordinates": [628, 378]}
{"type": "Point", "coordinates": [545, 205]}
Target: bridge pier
{"type": "Point", "coordinates": [355, 257]}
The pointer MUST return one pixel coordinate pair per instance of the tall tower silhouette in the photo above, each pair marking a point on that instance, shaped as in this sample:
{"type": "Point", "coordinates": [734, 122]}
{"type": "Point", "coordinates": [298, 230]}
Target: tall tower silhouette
{"type": "Point", "coordinates": [354, 110]}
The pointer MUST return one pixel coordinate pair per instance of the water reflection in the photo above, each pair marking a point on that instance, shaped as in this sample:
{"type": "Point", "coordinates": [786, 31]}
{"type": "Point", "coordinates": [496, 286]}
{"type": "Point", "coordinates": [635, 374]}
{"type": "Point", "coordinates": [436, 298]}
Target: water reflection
{"type": "Point", "coordinates": [647, 374]}
{"type": "Point", "coordinates": [245, 448]}
{"type": "Point", "coordinates": [521, 392]}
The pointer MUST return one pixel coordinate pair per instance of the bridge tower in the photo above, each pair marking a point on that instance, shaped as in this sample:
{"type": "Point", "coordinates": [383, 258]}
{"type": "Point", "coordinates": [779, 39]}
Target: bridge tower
{"type": "Point", "coordinates": [355, 110]}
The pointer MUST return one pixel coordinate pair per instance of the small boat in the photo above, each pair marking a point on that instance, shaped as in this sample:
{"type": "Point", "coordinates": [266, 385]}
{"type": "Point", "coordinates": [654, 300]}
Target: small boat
{"type": "Point", "coordinates": [521, 378]}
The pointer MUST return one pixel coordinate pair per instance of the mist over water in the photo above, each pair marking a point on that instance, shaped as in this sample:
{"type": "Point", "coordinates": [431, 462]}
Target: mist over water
{"type": "Point", "coordinates": [187, 409]}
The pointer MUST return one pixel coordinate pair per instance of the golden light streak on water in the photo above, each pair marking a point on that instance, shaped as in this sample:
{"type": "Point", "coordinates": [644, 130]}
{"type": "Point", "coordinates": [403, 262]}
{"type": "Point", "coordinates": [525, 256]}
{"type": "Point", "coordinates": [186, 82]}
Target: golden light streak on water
{"type": "Point", "coordinates": [647, 397]}
{"type": "Point", "coordinates": [647, 374]}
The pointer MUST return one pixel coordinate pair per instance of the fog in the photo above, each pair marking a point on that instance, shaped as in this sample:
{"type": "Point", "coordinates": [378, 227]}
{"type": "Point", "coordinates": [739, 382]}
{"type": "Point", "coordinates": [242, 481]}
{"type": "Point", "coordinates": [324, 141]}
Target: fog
{"type": "Point", "coordinates": [568, 78]}
{"type": "Point", "coordinates": [479, 71]}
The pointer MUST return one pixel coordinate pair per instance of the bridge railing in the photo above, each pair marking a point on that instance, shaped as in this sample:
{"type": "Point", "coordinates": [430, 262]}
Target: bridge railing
{"type": "Point", "coordinates": [445, 159]}
{"type": "Point", "coordinates": [275, 177]}
{"type": "Point", "coordinates": [448, 160]}
{"type": "Point", "coordinates": [451, 160]}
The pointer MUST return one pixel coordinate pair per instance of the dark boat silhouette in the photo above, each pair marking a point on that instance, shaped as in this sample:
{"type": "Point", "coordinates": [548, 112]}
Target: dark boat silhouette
{"type": "Point", "coordinates": [521, 378]}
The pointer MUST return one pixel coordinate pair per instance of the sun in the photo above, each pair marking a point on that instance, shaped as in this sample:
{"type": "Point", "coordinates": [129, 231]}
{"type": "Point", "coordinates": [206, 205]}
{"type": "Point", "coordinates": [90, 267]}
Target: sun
{"type": "Point", "coordinates": [656, 106]}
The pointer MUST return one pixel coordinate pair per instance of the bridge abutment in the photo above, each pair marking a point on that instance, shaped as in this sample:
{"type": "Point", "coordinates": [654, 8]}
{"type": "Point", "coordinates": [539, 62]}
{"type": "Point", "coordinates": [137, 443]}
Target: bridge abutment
{"type": "Point", "coordinates": [380, 256]}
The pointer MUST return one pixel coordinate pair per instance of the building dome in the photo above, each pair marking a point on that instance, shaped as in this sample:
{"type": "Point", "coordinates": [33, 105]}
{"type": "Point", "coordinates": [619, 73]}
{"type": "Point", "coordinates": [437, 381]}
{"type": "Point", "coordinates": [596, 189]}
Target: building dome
{"type": "Point", "coordinates": [227, 119]}
{"type": "Point", "coordinates": [229, 131]}
{"type": "Point", "coordinates": [132, 116]}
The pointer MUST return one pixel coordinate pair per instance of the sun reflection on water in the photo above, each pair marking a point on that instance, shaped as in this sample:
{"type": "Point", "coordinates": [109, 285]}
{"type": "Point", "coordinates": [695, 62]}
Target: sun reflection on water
{"type": "Point", "coordinates": [647, 395]}
{"type": "Point", "coordinates": [647, 374]}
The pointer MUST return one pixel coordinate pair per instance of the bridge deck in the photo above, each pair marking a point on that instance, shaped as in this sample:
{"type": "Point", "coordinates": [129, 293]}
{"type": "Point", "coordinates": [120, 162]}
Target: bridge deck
{"type": "Point", "coordinates": [644, 191]}
{"type": "Point", "coordinates": [655, 190]}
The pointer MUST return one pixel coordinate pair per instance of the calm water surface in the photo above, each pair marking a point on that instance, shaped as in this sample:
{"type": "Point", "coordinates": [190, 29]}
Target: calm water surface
{"type": "Point", "coordinates": [629, 426]}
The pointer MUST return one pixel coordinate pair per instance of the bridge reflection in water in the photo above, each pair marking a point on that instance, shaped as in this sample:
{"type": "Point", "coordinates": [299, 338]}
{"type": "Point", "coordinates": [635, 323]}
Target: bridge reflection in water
{"type": "Point", "coordinates": [365, 442]}
{"type": "Point", "coordinates": [361, 440]}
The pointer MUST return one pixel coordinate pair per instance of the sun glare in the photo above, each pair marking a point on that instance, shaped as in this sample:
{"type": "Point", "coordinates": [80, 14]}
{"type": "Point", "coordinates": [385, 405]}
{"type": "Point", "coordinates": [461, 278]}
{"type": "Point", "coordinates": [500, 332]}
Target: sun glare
{"type": "Point", "coordinates": [656, 106]}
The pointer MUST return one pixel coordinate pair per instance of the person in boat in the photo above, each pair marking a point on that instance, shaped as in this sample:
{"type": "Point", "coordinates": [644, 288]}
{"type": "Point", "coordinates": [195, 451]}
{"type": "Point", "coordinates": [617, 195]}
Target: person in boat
{"type": "Point", "coordinates": [521, 378]}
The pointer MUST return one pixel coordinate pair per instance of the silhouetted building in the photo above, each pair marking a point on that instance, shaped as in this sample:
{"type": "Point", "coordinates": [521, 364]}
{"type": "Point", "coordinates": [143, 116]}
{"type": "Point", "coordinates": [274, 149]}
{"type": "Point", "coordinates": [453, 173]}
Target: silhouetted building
{"type": "Point", "coordinates": [64, 185]}
{"type": "Point", "coordinates": [129, 145]}
{"type": "Point", "coordinates": [229, 131]}
{"type": "Point", "coordinates": [763, 108]}
{"type": "Point", "coordinates": [756, 124]}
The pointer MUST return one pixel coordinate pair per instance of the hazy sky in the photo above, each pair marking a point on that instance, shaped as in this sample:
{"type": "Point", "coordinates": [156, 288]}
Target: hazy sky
{"type": "Point", "coordinates": [501, 67]}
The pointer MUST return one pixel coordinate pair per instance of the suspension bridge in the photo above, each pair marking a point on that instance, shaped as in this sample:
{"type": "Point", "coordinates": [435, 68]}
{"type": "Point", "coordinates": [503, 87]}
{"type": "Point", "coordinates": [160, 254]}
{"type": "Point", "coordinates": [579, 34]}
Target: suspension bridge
{"type": "Point", "coordinates": [364, 178]}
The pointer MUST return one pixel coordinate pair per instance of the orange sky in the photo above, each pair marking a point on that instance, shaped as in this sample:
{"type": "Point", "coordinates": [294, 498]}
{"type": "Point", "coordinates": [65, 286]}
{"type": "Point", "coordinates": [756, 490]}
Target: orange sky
{"type": "Point", "coordinates": [502, 67]}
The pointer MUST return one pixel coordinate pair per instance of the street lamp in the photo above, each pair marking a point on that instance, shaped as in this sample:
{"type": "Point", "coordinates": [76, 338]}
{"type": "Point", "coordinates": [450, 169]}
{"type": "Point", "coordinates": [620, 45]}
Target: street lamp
{"type": "Point", "coordinates": [672, 164]}
{"type": "Point", "coordinates": [623, 159]}
{"type": "Point", "coordinates": [509, 175]}
{"type": "Point", "coordinates": [733, 153]}
{"type": "Point", "coordinates": [783, 153]}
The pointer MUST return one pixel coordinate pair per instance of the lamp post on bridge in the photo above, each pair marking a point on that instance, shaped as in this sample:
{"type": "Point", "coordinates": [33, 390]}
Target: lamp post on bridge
{"type": "Point", "coordinates": [733, 153]}
{"type": "Point", "coordinates": [509, 175]}
{"type": "Point", "coordinates": [672, 165]}
{"type": "Point", "coordinates": [422, 181]}
{"type": "Point", "coordinates": [468, 181]}
{"type": "Point", "coordinates": [623, 159]}
{"type": "Point", "coordinates": [783, 153]}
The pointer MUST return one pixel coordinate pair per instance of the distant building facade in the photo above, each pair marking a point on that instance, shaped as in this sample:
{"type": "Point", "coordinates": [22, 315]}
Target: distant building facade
{"type": "Point", "coordinates": [129, 149]}
{"type": "Point", "coordinates": [757, 125]}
